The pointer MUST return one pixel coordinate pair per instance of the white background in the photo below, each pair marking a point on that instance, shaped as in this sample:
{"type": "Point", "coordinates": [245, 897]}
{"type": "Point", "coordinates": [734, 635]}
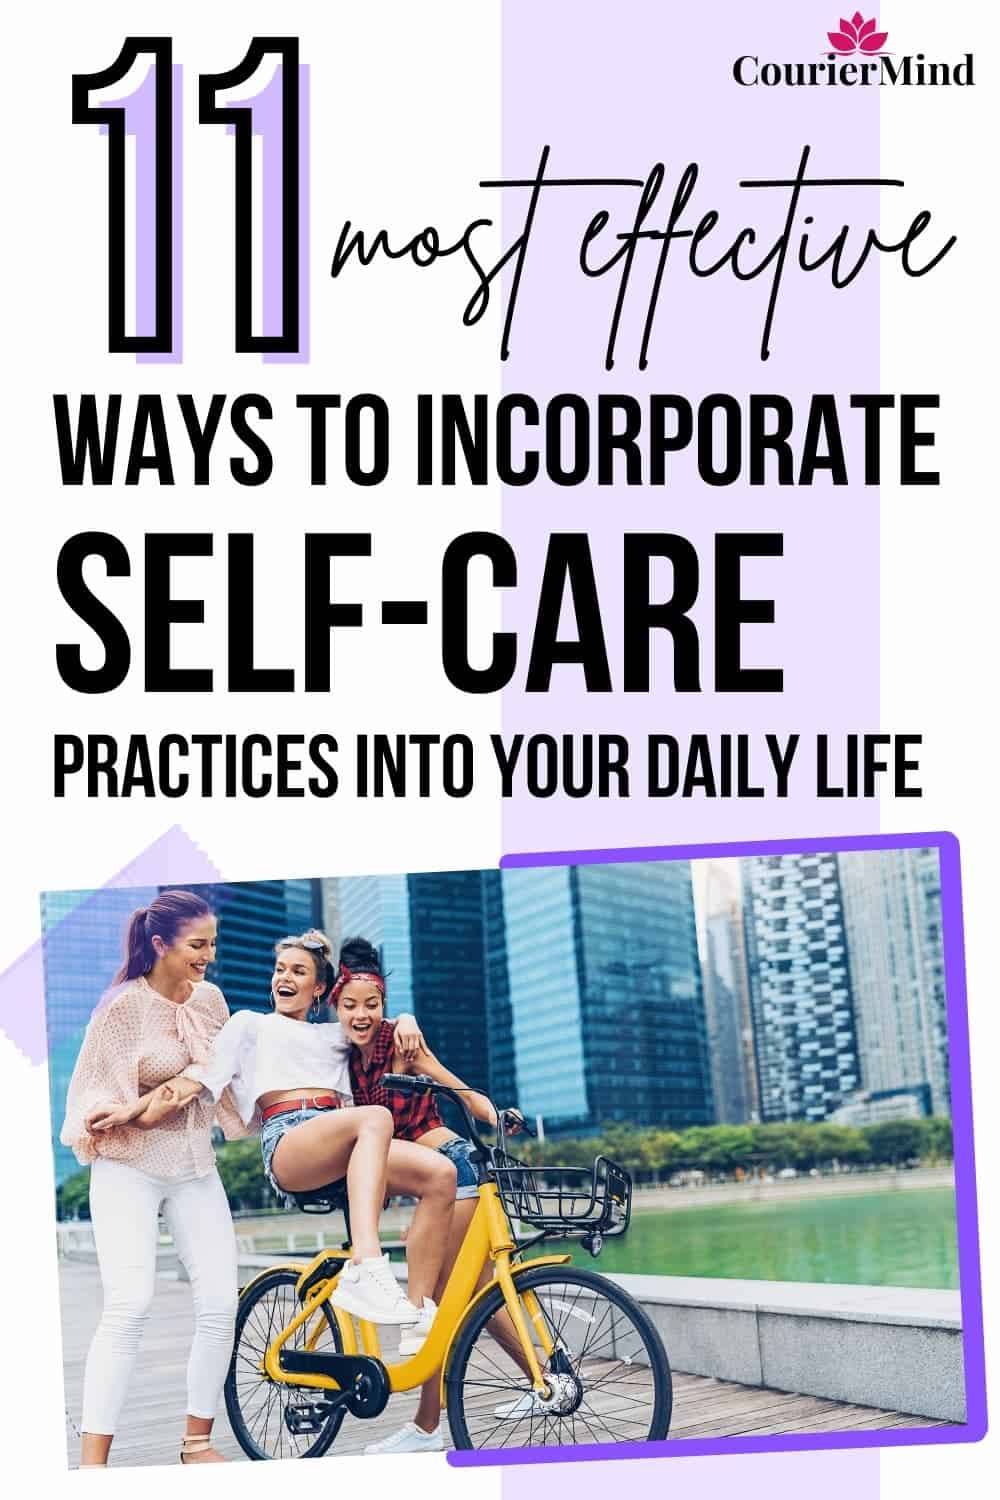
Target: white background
{"type": "Point", "coordinates": [410, 94]}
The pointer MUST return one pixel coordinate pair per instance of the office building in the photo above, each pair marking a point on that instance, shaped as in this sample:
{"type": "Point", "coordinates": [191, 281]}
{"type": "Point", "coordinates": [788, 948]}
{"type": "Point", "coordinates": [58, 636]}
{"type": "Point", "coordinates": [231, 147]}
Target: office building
{"type": "Point", "coordinates": [800, 985]}
{"type": "Point", "coordinates": [727, 995]}
{"type": "Point", "coordinates": [892, 910]}
{"type": "Point", "coordinates": [605, 995]}
{"type": "Point", "coordinates": [448, 954]}
{"type": "Point", "coordinates": [883, 1106]}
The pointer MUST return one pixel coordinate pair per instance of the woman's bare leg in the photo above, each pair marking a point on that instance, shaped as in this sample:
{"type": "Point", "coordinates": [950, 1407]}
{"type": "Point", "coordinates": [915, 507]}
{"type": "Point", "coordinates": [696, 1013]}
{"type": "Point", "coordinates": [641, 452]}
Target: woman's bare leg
{"type": "Point", "coordinates": [430, 1177]}
{"type": "Point", "coordinates": [428, 1413]}
{"type": "Point", "coordinates": [342, 1142]}
{"type": "Point", "coordinates": [94, 1448]}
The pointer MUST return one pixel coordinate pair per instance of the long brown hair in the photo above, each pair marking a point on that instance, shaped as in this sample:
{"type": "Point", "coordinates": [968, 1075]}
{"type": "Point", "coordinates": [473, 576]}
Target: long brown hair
{"type": "Point", "coordinates": [162, 918]}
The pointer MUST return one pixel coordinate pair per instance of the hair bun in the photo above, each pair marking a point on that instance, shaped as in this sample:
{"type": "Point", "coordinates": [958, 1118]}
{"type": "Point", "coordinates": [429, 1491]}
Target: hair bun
{"type": "Point", "coordinates": [358, 954]}
{"type": "Point", "coordinates": [315, 936]}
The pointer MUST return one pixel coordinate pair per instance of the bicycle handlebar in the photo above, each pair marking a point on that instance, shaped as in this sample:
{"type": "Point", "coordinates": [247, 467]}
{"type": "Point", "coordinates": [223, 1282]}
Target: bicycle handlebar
{"type": "Point", "coordinates": [420, 1082]}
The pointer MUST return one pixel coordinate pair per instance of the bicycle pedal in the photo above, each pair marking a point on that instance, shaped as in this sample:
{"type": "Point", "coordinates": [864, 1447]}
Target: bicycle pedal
{"type": "Point", "coordinates": [303, 1420]}
{"type": "Point", "coordinates": [330, 1266]}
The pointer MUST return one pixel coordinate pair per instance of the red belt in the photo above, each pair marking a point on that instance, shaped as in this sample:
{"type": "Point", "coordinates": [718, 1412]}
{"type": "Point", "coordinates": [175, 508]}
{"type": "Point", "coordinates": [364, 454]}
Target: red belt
{"type": "Point", "coordinates": [310, 1101]}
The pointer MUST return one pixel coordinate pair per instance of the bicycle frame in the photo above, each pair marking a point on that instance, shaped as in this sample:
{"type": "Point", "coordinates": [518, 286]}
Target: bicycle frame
{"type": "Point", "coordinates": [487, 1238]}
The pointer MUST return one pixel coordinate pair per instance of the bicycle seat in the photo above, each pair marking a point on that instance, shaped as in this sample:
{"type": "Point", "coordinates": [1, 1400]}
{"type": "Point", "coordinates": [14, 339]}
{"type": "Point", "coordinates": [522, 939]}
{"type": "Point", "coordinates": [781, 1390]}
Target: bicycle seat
{"type": "Point", "coordinates": [322, 1200]}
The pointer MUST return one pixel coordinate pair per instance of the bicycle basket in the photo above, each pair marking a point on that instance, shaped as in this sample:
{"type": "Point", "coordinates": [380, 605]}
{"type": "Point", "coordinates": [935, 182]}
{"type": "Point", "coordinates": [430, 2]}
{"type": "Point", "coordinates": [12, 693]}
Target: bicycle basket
{"type": "Point", "coordinates": [566, 1200]}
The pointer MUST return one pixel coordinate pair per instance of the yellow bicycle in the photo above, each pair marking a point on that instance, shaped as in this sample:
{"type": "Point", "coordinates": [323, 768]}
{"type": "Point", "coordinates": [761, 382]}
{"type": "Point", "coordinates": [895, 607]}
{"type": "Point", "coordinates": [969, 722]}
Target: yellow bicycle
{"type": "Point", "coordinates": [545, 1354]}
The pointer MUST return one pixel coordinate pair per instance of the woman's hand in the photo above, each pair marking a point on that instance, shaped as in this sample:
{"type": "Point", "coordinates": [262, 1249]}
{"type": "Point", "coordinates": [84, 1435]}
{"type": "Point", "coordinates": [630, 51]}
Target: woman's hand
{"type": "Point", "coordinates": [109, 1116]}
{"type": "Point", "coordinates": [168, 1100]}
{"type": "Point", "coordinates": [513, 1122]}
{"type": "Point", "coordinates": [409, 1038]}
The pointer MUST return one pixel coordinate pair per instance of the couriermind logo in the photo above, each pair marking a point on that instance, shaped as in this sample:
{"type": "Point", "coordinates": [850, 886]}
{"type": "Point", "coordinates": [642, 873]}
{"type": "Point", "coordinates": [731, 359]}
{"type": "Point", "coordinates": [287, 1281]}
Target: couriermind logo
{"type": "Point", "coordinates": [871, 65]}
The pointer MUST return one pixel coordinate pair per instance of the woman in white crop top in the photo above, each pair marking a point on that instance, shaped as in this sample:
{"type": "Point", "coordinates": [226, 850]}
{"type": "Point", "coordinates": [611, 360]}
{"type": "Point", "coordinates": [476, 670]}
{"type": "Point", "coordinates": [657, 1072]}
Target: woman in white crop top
{"type": "Point", "coordinates": [289, 1078]}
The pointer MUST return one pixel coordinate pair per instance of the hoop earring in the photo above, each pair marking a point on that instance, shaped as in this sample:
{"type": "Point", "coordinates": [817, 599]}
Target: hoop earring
{"type": "Point", "coordinates": [270, 1000]}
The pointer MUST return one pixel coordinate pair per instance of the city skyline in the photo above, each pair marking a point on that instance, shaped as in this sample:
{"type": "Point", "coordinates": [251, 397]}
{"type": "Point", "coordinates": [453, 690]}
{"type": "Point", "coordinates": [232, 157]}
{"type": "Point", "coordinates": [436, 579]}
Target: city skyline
{"type": "Point", "coordinates": [670, 993]}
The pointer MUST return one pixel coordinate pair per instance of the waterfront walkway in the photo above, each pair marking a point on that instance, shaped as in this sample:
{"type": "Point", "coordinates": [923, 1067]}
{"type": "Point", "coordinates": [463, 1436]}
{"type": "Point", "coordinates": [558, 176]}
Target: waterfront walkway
{"type": "Point", "coordinates": [153, 1418]}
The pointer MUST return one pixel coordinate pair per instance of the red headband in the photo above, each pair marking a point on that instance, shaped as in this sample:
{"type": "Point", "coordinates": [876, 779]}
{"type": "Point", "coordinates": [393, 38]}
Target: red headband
{"type": "Point", "coordinates": [345, 975]}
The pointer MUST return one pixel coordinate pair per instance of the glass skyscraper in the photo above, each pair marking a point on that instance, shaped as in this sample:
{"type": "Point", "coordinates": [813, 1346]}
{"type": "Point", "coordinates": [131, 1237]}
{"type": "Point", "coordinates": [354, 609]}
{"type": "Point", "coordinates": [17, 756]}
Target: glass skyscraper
{"type": "Point", "coordinates": [448, 954]}
{"type": "Point", "coordinates": [605, 995]}
{"type": "Point", "coordinates": [800, 985]}
{"type": "Point", "coordinates": [499, 1017]}
{"type": "Point", "coordinates": [727, 996]}
{"type": "Point", "coordinates": [892, 908]}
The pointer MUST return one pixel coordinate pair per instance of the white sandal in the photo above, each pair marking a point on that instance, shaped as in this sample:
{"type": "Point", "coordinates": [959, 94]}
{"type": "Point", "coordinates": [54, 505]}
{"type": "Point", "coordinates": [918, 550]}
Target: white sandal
{"type": "Point", "coordinates": [191, 1443]}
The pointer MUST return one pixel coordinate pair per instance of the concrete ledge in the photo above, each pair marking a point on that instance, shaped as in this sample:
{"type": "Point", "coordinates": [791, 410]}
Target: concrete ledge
{"type": "Point", "coordinates": [892, 1347]}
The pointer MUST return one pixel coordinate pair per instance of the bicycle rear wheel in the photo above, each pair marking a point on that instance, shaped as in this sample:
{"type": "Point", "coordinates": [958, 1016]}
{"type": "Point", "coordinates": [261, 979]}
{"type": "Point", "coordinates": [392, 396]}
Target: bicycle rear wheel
{"type": "Point", "coordinates": [608, 1370]}
{"type": "Point", "coordinates": [259, 1407]}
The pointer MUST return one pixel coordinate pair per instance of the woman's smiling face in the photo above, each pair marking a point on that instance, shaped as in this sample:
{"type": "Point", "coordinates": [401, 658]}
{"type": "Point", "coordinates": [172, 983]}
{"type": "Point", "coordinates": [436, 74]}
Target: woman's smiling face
{"type": "Point", "coordinates": [360, 1009]}
{"type": "Point", "coordinates": [294, 984]}
{"type": "Point", "coordinates": [189, 955]}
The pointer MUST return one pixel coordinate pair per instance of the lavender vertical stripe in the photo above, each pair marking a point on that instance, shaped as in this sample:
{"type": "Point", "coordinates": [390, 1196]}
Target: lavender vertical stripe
{"type": "Point", "coordinates": [767, 1478]}
{"type": "Point", "coordinates": [612, 90]}
{"type": "Point", "coordinates": [171, 860]}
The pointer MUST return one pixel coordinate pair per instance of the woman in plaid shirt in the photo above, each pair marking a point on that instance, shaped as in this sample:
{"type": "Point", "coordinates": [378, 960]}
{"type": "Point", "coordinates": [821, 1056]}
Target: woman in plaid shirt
{"type": "Point", "coordinates": [359, 996]}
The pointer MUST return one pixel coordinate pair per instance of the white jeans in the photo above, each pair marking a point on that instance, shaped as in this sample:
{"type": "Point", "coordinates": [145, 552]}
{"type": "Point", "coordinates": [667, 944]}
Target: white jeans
{"type": "Point", "coordinates": [124, 1206]}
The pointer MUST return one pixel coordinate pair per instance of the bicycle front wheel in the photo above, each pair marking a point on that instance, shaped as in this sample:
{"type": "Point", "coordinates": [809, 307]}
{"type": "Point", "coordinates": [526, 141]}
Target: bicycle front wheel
{"type": "Point", "coordinates": [603, 1360]}
{"type": "Point", "coordinates": [267, 1416]}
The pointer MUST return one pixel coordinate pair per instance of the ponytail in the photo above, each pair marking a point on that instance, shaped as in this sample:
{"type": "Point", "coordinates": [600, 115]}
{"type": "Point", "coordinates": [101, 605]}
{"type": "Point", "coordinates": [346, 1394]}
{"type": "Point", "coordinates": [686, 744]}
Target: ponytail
{"type": "Point", "coordinates": [137, 948]}
{"type": "Point", "coordinates": [163, 918]}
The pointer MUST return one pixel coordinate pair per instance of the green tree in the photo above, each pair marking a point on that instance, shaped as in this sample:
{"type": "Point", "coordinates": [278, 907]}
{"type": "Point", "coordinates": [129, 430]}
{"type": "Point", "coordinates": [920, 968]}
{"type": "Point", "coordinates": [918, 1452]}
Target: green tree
{"type": "Point", "coordinates": [842, 1143]}
{"type": "Point", "coordinates": [242, 1174]}
{"type": "Point", "coordinates": [662, 1147]}
{"type": "Point", "coordinates": [73, 1196]}
{"type": "Point", "coordinates": [624, 1144]}
{"type": "Point", "coordinates": [895, 1141]}
{"type": "Point", "coordinates": [728, 1147]}
{"type": "Point", "coordinates": [779, 1145]}
{"type": "Point", "coordinates": [937, 1139]}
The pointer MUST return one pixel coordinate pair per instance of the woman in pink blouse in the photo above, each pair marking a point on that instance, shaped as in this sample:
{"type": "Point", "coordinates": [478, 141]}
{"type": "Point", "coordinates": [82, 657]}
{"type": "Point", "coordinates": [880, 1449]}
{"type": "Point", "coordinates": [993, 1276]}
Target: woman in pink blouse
{"type": "Point", "coordinates": [145, 1125]}
{"type": "Point", "coordinates": [161, 1019]}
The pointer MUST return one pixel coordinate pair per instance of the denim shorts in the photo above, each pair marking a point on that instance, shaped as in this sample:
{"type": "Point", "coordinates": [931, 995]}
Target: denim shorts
{"type": "Point", "coordinates": [270, 1134]}
{"type": "Point", "coordinates": [459, 1151]}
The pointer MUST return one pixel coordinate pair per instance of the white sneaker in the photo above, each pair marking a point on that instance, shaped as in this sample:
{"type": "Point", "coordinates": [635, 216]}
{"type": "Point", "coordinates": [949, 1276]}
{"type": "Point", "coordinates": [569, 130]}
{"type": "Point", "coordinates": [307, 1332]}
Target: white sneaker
{"type": "Point", "coordinates": [368, 1289]}
{"type": "Point", "coordinates": [409, 1439]}
{"type": "Point", "coordinates": [532, 1405]}
{"type": "Point", "coordinates": [413, 1339]}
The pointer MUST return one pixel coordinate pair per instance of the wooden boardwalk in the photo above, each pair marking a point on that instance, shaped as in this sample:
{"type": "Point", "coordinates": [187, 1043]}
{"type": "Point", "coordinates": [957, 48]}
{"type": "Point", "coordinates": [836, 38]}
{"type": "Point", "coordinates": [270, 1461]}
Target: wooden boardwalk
{"type": "Point", "coordinates": [153, 1418]}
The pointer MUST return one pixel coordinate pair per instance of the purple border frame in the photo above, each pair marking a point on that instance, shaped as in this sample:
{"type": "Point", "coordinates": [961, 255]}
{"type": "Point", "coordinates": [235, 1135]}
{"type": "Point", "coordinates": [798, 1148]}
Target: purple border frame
{"type": "Point", "coordinates": [970, 1286]}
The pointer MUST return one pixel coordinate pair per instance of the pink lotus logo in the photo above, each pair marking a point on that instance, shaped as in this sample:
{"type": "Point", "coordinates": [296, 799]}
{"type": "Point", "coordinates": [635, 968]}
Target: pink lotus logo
{"type": "Point", "coordinates": [858, 35]}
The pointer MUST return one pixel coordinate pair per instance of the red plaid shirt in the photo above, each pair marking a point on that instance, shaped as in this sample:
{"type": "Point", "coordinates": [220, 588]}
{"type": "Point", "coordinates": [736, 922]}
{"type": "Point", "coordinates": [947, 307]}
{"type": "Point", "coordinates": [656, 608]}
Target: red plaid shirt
{"type": "Point", "coordinates": [412, 1114]}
